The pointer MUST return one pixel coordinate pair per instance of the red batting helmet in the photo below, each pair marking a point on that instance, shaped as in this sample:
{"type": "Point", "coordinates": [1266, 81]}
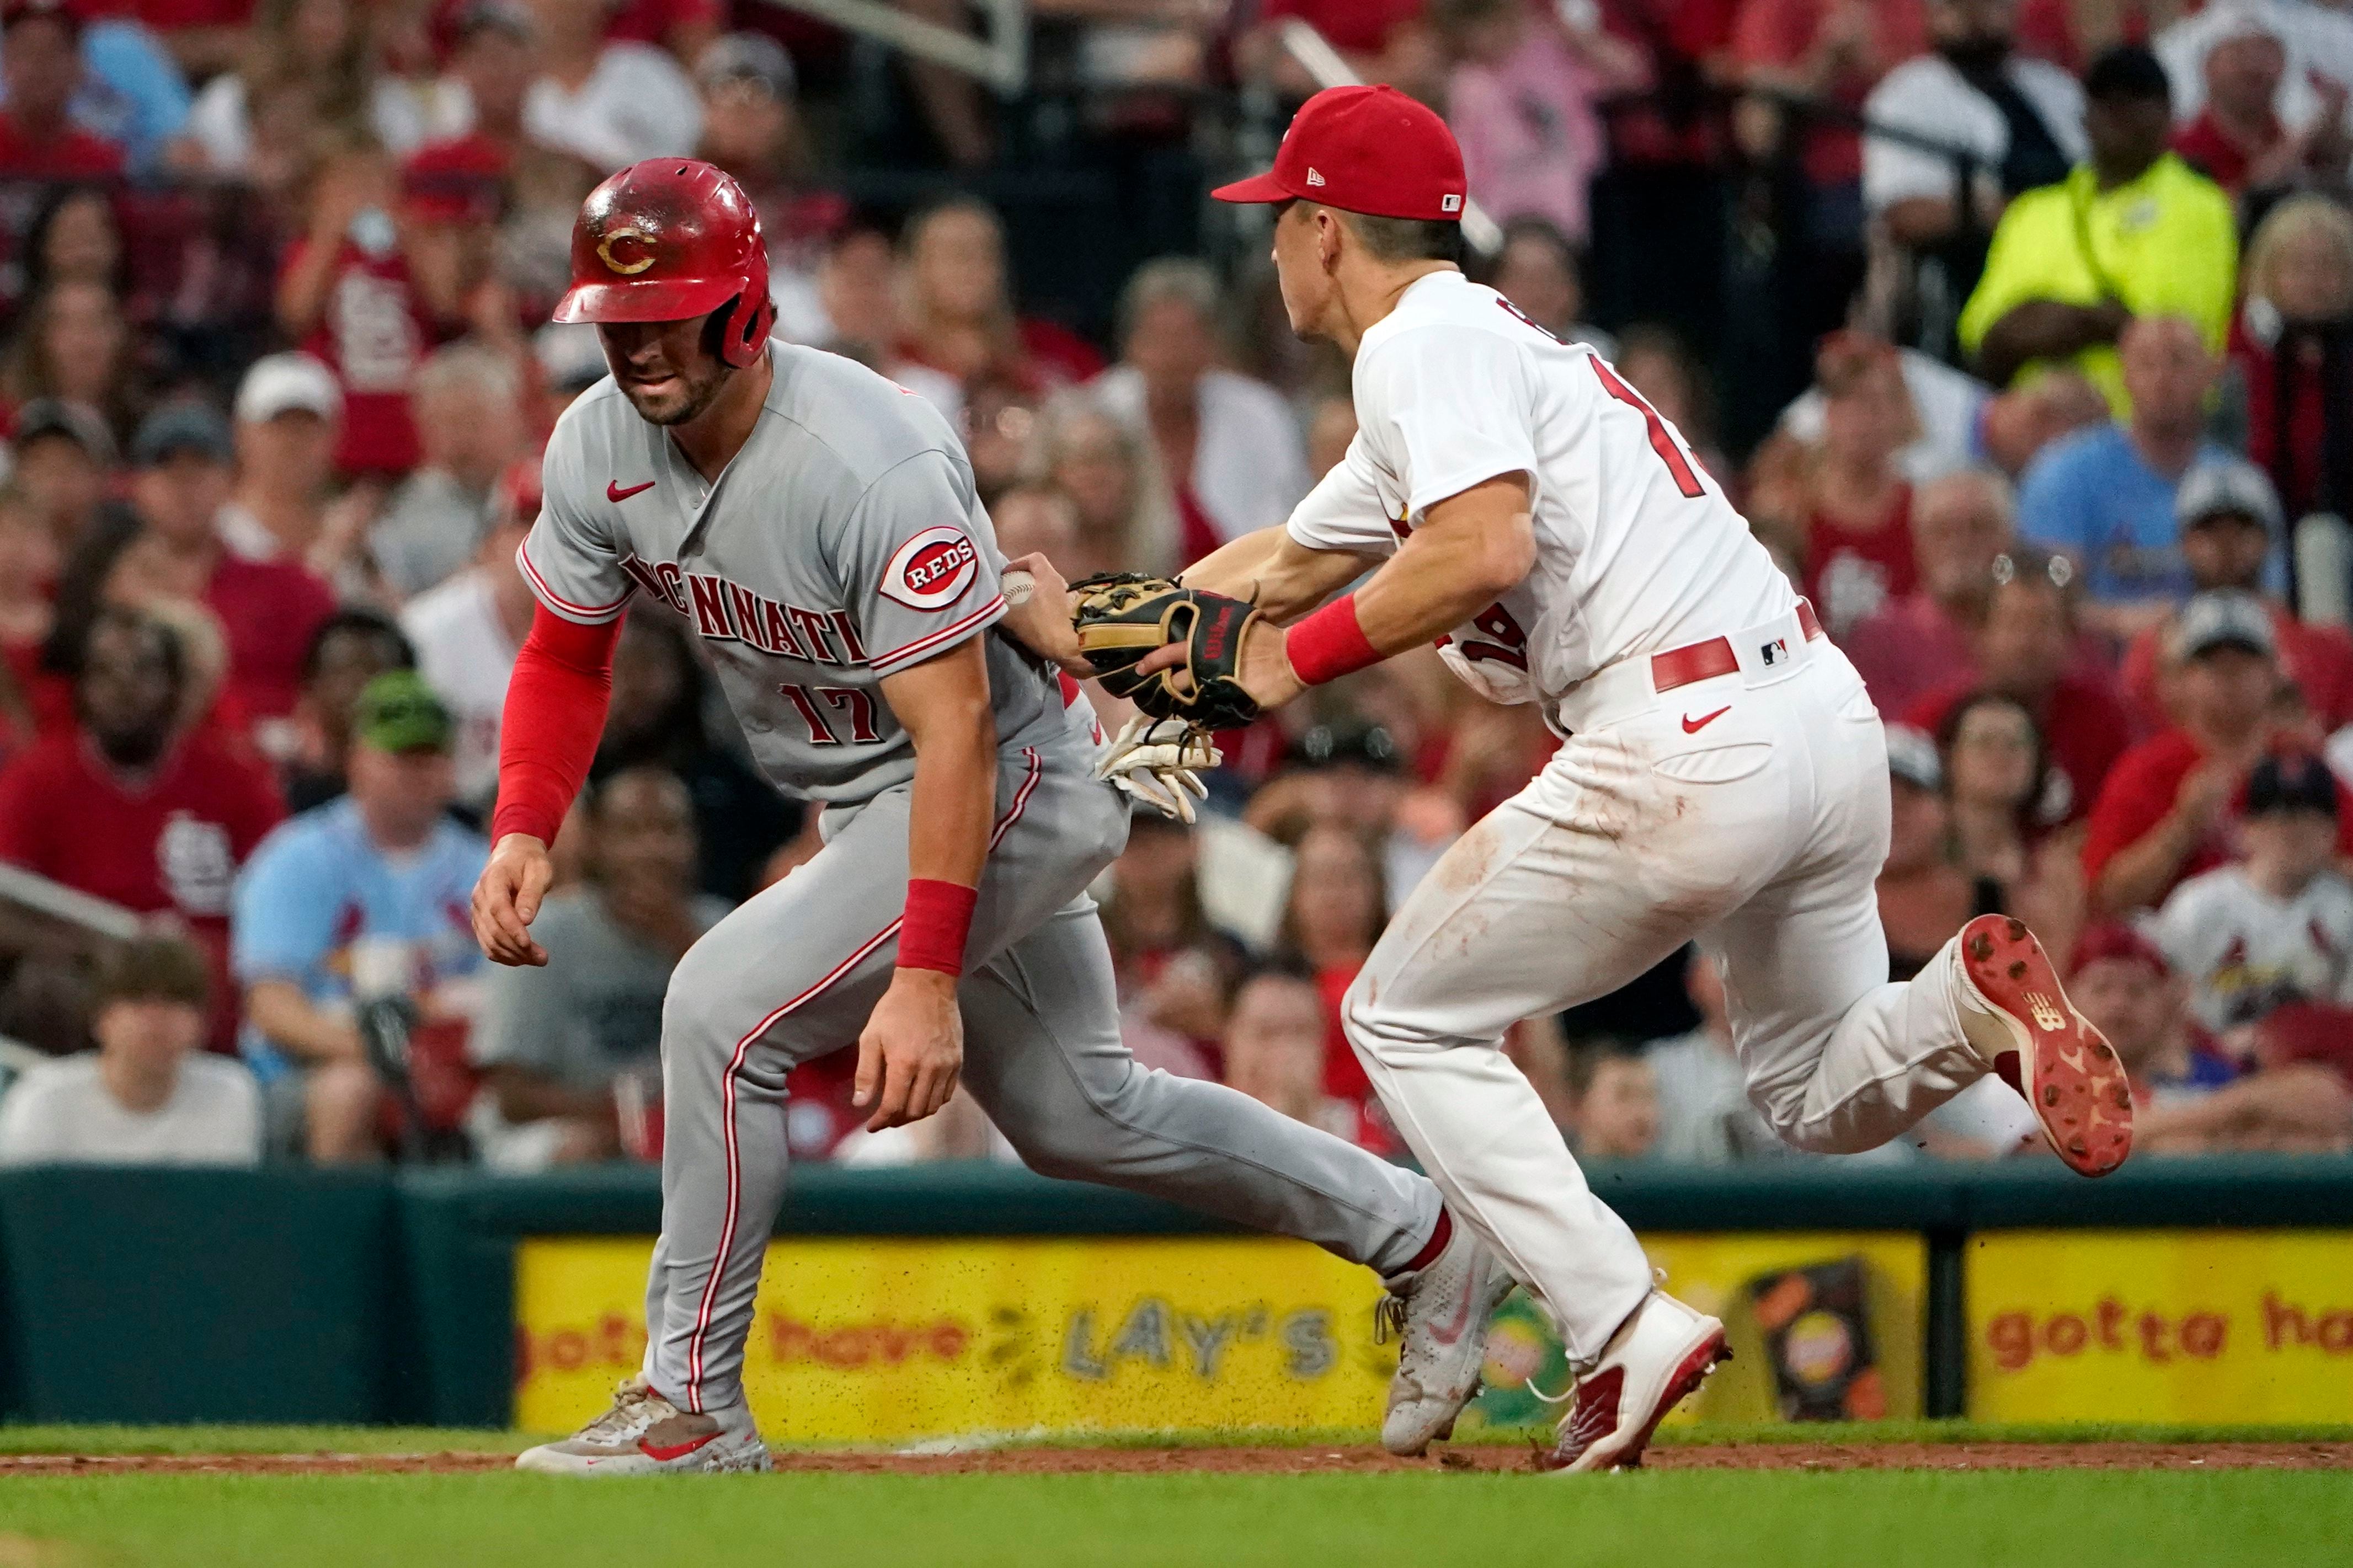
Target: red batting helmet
{"type": "Point", "coordinates": [668, 239]}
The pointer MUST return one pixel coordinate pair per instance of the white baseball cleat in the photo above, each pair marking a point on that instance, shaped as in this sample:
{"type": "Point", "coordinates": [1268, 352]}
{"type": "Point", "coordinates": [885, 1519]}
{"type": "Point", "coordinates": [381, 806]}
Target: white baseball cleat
{"type": "Point", "coordinates": [1658, 1357]}
{"type": "Point", "coordinates": [1439, 1315]}
{"type": "Point", "coordinates": [2016, 1016]}
{"type": "Point", "coordinates": [645, 1435]}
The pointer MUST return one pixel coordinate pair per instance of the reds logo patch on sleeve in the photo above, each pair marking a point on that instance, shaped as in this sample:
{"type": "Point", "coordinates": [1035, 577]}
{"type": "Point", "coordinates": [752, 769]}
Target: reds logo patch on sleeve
{"type": "Point", "coordinates": [931, 570]}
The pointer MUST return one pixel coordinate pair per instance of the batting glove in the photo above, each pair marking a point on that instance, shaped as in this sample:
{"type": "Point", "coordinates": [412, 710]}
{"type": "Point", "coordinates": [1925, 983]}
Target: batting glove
{"type": "Point", "coordinates": [1158, 761]}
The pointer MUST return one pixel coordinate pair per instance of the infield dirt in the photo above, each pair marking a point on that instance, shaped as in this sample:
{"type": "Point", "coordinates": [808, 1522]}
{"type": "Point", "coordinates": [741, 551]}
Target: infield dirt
{"type": "Point", "coordinates": [1278, 1461]}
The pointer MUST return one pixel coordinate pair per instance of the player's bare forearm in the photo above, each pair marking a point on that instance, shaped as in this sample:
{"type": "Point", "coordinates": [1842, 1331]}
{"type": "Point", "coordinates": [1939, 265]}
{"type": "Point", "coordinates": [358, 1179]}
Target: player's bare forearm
{"type": "Point", "coordinates": [288, 1020]}
{"type": "Point", "coordinates": [911, 1050]}
{"type": "Point", "coordinates": [1040, 618]}
{"type": "Point", "coordinates": [524, 1095]}
{"type": "Point", "coordinates": [1284, 578]}
{"type": "Point", "coordinates": [1471, 550]}
{"type": "Point", "coordinates": [2139, 873]}
{"type": "Point", "coordinates": [944, 704]}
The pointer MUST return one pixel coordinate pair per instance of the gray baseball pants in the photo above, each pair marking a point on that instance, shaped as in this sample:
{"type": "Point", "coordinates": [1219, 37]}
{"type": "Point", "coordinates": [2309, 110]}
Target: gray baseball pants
{"type": "Point", "coordinates": [793, 975]}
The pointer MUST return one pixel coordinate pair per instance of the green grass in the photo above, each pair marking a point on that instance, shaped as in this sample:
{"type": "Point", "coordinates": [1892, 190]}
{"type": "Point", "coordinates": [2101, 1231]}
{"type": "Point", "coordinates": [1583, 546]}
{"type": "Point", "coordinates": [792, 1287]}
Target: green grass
{"type": "Point", "coordinates": [1920, 1519]}
{"type": "Point", "coordinates": [257, 1440]}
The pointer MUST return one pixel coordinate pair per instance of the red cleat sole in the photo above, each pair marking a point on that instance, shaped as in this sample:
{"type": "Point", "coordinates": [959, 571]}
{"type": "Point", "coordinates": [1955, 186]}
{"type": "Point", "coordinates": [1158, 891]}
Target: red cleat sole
{"type": "Point", "coordinates": [2065, 1068]}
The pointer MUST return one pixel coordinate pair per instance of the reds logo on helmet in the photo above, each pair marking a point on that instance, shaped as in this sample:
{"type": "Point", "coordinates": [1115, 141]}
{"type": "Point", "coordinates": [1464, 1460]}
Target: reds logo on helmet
{"type": "Point", "coordinates": [931, 570]}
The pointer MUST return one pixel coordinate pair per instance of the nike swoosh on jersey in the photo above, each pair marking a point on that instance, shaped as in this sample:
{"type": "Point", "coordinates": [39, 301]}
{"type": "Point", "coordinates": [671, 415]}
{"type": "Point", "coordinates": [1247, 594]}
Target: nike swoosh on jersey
{"type": "Point", "coordinates": [1693, 726]}
{"type": "Point", "coordinates": [613, 490]}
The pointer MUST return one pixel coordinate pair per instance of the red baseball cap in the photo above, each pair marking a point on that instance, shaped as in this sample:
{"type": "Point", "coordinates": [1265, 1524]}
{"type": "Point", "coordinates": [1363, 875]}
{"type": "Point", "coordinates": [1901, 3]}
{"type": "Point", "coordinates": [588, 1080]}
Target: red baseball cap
{"type": "Point", "coordinates": [2113, 940]}
{"type": "Point", "coordinates": [1370, 150]}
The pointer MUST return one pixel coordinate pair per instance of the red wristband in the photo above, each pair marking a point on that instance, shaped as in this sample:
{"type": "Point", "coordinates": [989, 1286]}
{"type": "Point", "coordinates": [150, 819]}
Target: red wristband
{"type": "Point", "coordinates": [1329, 644]}
{"type": "Point", "coordinates": [932, 931]}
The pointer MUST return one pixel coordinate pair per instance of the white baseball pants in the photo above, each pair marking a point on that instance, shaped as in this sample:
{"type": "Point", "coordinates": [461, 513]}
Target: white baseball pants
{"type": "Point", "coordinates": [1749, 810]}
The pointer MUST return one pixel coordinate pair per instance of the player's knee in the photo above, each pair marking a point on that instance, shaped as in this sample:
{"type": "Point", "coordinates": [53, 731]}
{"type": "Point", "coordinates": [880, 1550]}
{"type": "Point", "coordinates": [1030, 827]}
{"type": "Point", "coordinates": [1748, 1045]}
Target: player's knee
{"type": "Point", "coordinates": [1789, 1109]}
{"type": "Point", "coordinates": [1063, 1148]}
{"type": "Point", "coordinates": [1375, 1032]}
{"type": "Point", "coordinates": [691, 1006]}
{"type": "Point", "coordinates": [1083, 1135]}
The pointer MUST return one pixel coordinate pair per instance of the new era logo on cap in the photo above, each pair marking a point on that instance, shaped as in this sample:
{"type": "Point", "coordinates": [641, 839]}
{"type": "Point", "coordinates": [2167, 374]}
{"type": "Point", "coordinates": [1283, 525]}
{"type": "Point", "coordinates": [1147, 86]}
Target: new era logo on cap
{"type": "Point", "coordinates": [1450, 203]}
{"type": "Point", "coordinates": [1313, 178]}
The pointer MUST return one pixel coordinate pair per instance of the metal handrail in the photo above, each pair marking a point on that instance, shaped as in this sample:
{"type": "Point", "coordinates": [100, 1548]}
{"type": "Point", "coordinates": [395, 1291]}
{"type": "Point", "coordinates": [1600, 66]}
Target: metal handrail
{"type": "Point", "coordinates": [1002, 61]}
{"type": "Point", "coordinates": [97, 916]}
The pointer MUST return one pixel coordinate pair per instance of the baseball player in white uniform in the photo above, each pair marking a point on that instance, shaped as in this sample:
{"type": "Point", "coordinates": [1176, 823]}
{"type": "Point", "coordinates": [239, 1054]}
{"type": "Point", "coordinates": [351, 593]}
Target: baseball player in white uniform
{"type": "Point", "coordinates": [1722, 774]}
{"type": "Point", "coordinates": [818, 530]}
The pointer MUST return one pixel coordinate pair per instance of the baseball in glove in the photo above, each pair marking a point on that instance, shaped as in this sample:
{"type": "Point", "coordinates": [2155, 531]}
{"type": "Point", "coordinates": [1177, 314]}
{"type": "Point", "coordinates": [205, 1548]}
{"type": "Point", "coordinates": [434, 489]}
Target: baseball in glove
{"type": "Point", "coordinates": [1122, 617]}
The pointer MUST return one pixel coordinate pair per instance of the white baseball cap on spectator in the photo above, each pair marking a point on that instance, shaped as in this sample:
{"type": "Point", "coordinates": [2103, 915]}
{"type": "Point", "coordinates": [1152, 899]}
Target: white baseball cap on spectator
{"type": "Point", "coordinates": [570, 355]}
{"type": "Point", "coordinates": [747, 56]}
{"type": "Point", "coordinates": [2235, 19]}
{"type": "Point", "coordinates": [2224, 617]}
{"type": "Point", "coordinates": [2230, 487]}
{"type": "Point", "coordinates": [287, 384]}
{"type": "Point", "coordinates": [1912, 757]}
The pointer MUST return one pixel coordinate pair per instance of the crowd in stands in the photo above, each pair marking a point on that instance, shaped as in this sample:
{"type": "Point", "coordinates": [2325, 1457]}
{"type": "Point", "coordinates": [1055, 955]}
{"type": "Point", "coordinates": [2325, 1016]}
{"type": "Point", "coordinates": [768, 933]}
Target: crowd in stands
{"type": "Point", "coordinates": [2059, 440]}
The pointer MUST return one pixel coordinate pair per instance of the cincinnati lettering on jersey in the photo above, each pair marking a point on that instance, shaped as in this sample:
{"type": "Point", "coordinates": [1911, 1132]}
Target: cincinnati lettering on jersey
{"type": "Point", "coordinates": [724, 611]}
{"type": "Point", "coordinates": [1510, 643]}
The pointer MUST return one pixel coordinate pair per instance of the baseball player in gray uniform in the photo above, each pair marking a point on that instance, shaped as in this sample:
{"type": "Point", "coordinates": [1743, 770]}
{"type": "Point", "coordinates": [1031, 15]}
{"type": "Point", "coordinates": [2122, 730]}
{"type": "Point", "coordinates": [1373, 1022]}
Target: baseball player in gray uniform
{"type": "Point", "coordinates": [818, 529]}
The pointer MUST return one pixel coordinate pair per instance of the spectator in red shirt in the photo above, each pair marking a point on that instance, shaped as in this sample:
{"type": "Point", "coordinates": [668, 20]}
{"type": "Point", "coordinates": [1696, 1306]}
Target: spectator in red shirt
{"type": "Point", "coordinates": [684, 27]}
{"type": "Point", "coordinates": [1836, 49]}
{"type": "Point", "coordinates": [1331, 919]}
{"type": "Point", "coordinates": [493, 60]}
{"type": "Point", "coordinates": [1858, 540]}
{"type": "Point", "coordinates": [2292, 351]}
{"type": "Point", "coordinates": [1274, 1050]}
{"type": "Point", "coordinates": [43, 71]}
{"type": "Point", "coordinates": [1382, 41]}
{"type": "Point", "coordinates": [2026, 651]}
{"type": "Point", "coordinates": [960, 315]}
{"type": "Point", "coordinates": [268, 610]}
{"type": "Point", "coordinates": [1961, 526]}
{"type": "Point", "coordinates": [2230, 526]}
{"type": "Point", "coordinates": [289, 417]}
{"type": "Point", "coordinates": [350, 297]}
{"type": "Point", "coordinates": [2237, 140]}
{"type": "Point", "coordinates": [2170, 807]}
{"type": "Point", "coordinates": [129, 807]}
{"type": "Point", "coordinates": [498, 171]}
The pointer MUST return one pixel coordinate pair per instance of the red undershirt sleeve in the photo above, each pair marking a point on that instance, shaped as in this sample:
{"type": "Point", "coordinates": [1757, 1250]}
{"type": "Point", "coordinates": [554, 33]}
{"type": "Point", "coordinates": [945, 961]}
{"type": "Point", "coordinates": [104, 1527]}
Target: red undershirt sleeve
{"type": "Point", "coordinates": [554, 715]}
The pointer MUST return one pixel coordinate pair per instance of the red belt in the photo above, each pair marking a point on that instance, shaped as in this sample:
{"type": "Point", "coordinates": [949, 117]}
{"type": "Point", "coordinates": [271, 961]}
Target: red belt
{"type": "Point", "coordinates": [1706, 660]}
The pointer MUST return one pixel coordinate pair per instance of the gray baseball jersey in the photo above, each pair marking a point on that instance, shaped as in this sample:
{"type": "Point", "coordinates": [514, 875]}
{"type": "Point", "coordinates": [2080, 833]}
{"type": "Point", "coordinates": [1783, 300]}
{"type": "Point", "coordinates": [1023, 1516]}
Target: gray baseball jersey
{"type": "Point", "coordinates": [844, 543]}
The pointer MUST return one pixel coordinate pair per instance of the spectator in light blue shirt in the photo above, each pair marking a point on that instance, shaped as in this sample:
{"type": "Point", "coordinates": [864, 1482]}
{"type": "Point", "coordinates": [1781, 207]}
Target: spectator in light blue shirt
{"type": "Point", "coordinates": [2104, 496]}
{"type": "Point", "coordinates": [133, 92]}
{"type": "Point", "coordinates": [365, 897]}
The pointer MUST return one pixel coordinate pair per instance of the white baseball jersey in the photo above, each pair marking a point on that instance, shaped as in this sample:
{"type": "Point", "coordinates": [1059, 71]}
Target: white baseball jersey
{"type": "Point", "coordinates": [844, 543]}
{"type": "Point", "coordinates": [2245, 953]}
{"type": "Point", "coordinates": [1638, 551]}
{"type": "Point", "coordinates": [465, 654]}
